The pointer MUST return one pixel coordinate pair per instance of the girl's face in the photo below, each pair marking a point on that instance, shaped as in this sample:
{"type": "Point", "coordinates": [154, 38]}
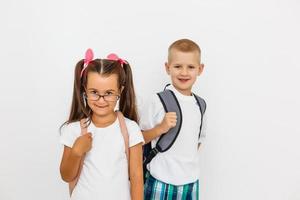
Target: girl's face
{"type": "Point", "coordinates": [102, 93]}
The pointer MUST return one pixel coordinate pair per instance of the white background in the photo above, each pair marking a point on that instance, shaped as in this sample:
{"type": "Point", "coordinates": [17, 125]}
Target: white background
{"type": "Point", "coordinates": [250, 82]}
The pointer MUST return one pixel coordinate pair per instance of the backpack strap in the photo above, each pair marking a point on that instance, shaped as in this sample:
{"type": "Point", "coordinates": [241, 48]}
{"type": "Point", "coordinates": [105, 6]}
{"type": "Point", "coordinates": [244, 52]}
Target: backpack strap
{"type": "Point", "coordinates": [124, 132]}
{"type": "Point", "coordinates": [202, 106]}
{"type": "Point", "coordinates": [72, 184]}
{"type": "Point", "coordinates": [170, 104]}
{"type": "Point", "coordinates": [125, 135]}
{"type": "Point", "coordinates": [166, 140]}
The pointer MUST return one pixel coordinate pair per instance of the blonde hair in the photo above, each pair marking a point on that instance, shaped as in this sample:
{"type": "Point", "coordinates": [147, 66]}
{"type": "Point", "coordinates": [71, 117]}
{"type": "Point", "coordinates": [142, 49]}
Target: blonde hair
{"type": "Point", "coordinates": [184, 45]}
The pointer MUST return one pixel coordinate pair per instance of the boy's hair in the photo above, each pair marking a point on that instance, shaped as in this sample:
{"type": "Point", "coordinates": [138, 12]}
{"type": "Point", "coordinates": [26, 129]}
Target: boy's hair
{"type": "Point", "coordinates": [127, 102]}
{"type": "Point", "coordinates": [184, 45]}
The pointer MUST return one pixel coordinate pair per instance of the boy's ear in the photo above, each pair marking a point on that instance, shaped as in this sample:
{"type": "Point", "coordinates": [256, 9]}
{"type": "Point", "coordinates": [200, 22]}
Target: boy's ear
{"type": "Point", "coordinates": [201, 67]}
{"type": "Point", "coordinates": [167, 68]}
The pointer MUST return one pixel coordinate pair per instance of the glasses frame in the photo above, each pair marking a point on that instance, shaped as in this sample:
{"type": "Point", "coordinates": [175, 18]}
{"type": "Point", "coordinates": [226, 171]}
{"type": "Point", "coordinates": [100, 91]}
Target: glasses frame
{"type": "Point", "coordinates": [104, 97]}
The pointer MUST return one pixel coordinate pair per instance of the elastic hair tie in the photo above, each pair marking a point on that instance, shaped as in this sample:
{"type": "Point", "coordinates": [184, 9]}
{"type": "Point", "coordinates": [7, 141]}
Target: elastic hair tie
{"type": "Point", "coordinates": [115, 57]}
{"type": "Point", "coordinates": [89, 56]}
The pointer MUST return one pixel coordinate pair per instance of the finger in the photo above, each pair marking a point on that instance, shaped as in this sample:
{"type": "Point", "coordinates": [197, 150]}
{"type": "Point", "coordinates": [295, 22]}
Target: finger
{"type": "Point", "coordinates": [172, 117]}
{"type": "Point", "coordinates": [174, 124]}
{"type": "Point", "coordinates": [88, 135]}
{"type": "Point", "coordinates": [171, 113]}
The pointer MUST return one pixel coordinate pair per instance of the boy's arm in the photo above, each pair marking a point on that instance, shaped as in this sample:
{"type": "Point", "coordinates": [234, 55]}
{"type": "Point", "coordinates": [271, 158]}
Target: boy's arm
{"type": "Point", "coordinates": [136, 172]}
{"type": "Point", "coordinates": [168, 122]}
{"type": "Point", "coordinates": [199, 144]}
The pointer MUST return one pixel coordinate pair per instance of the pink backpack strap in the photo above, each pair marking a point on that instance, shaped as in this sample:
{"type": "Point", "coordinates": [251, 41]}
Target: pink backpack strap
{"type": "Point", "coordinates": [72, 184]}
{"type": "Point", "coordinates": [124, 132]}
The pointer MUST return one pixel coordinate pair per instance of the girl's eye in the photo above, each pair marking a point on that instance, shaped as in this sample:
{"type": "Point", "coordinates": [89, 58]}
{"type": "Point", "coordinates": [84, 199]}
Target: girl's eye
{"type": "Point", "coordinates": [191, 67]}
{"type": "Point", "coordinates": [109, 93]}
{"type": "Point", "coordinates": [177, 66]}
{"type": "Point", "coordinates": [93, 92]}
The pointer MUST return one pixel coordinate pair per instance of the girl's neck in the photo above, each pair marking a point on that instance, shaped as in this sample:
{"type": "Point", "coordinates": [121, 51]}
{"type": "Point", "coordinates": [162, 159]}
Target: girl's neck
{"type": "Point", "coordinates": [103, 121]}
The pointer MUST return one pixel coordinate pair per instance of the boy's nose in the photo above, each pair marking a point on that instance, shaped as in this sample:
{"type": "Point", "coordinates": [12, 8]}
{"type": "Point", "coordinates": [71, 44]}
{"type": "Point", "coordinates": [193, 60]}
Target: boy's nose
{"type": "Point", "coordinates": [184, 71]}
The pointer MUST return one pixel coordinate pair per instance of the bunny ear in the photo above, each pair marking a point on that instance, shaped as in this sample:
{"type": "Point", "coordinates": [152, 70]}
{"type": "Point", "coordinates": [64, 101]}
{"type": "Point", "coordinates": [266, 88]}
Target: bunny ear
{"type": "Point", "coordinates": [89, 55]}
{"type": "Point", "coordinates": [115, 57]}
{"type": "Point", "coordinates": [112, 56]}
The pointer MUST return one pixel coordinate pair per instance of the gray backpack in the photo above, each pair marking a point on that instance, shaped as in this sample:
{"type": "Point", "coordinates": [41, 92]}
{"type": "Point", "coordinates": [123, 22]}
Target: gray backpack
{"type": "Point", "coordinates": [166, 140]}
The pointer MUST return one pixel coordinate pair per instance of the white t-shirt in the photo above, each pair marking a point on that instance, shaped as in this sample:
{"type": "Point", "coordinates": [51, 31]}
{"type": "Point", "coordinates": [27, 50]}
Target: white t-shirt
{"type": "Point", "coordinates": [180, 164]}
{"type": "Point", "coordinates": [105, 169]}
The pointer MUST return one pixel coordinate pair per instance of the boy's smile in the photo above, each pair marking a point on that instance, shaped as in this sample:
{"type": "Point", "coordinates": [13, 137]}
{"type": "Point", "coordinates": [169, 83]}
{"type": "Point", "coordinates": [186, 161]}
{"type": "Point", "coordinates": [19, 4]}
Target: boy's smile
{"type": "Point", "coordinates": [184, 67]}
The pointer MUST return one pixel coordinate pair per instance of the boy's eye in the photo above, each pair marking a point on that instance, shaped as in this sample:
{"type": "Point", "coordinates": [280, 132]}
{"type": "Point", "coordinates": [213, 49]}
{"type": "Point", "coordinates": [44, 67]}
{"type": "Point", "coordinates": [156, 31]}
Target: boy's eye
{"type": "Point", "coordinates": [177, 66]}
{"type": "Point", "coordinates": [191, 67]}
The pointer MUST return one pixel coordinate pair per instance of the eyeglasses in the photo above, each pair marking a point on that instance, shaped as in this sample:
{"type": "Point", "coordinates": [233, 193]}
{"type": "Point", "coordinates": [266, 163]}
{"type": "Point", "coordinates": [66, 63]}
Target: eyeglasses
{"type": "Point", "coordinates": [107, 97]}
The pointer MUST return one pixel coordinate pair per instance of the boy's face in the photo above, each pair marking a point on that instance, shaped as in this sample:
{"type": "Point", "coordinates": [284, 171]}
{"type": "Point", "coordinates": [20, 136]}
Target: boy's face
{"type": "Point", "coordinates": [184, 67]}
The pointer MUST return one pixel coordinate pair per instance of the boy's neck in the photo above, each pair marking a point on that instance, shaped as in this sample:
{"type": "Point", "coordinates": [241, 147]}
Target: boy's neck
{"type": "Point", "coordinates": [104, 121]}
{"type": "Point", "coordinates": [185, 93]}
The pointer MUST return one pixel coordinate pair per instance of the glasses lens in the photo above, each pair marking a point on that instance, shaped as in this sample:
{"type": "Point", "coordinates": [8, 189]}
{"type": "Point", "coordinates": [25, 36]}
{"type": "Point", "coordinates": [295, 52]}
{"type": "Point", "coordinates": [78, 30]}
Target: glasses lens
{"type": "Point", "coordinates": [92, 96]}
{"type": "Point", "coordinates": [111, 97]}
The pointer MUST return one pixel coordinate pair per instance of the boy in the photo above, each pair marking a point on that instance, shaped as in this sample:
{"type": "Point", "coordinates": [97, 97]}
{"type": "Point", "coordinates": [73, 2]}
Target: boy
{"type": "Point", "coordinates": [173, 174]}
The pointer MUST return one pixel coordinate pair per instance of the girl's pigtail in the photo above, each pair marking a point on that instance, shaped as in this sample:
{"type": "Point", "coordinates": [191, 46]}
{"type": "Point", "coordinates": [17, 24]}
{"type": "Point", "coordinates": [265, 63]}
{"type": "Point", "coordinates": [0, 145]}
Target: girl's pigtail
{"type": "Point", "coordinates": [127, 104]}
{"type": "Point", "coordinates": [79, 109]}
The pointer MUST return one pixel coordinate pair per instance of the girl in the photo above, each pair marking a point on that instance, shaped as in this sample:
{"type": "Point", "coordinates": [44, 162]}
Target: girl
{"type": "Point", "coordinates": [96, 160]}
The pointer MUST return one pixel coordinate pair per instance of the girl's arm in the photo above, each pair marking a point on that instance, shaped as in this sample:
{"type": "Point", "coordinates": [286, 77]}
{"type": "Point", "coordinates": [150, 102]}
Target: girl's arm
{"type": "Point", "coordinates": [136, 172]}
{"type": "Point", "coordinates": [70, 164]}
{"type": "Point", "coordinates": [71, 158]}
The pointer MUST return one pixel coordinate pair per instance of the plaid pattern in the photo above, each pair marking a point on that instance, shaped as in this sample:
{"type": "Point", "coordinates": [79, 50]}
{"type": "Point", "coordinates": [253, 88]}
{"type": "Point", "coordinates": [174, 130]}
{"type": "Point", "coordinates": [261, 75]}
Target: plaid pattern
{"type": "Point", "coordinates": [157, 190]}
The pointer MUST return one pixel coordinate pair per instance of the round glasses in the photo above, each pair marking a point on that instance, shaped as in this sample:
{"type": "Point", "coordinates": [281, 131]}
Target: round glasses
{"type": "Point", "coordinates": [107, 97]}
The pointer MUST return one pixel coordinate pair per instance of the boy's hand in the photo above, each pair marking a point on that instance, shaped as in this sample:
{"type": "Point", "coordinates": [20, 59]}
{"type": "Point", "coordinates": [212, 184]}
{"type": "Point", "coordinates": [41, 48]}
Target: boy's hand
{"type": "Point", "coordinates": [82, 144]}
{"type": "Point", "coordinates": [168, 122]}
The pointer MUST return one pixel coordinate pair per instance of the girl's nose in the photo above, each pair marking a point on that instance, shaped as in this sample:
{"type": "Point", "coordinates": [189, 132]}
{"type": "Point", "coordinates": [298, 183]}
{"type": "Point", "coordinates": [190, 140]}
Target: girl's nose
{"type": "Point", "coordinates": [101, 99]}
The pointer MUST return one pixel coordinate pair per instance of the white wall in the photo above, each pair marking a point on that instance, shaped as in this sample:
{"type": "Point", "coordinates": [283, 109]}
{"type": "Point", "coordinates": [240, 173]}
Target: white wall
{"type": "Point", "coordinates": [250, 82]}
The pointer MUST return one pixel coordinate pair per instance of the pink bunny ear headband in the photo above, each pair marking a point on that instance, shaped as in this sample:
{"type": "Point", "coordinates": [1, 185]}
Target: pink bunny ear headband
{"type": "Point", "coordinates": [115, 57]}
{"type": "Point", "coordinates": [89, 56]}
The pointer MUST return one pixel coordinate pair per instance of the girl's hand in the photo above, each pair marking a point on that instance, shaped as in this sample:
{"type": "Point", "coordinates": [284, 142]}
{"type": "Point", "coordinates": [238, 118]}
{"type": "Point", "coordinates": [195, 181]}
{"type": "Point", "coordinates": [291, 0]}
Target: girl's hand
{"type": "Point", "coordinates": [82, 144]}
{"type": "Point", "coordinates": [168, 122]}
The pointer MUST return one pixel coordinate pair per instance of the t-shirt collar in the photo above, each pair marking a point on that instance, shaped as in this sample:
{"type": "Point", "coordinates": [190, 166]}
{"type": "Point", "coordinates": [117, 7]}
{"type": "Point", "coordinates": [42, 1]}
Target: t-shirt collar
{"type": "Point", "coordinates": [179, 95]}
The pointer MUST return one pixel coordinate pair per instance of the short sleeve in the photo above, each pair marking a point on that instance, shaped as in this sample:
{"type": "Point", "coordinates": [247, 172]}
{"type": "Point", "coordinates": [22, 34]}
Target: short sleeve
{"type": "Point", "coordinates": [151, 113]}
{"type": "Point", "coordinates": [69, 133]}
{"type": "Point", "coordinates": [134, 132]}
{"type": "Point", "coordinates": [203, 129]}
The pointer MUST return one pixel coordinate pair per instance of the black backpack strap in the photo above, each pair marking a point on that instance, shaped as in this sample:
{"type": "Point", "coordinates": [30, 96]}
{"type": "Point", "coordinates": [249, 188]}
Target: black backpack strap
{"type": "Point", "coordinates": [170, 104]}
{"type": "Point", "coordinates": [202, 106]}
{"type": "Point", "coordinates": [166, 86]}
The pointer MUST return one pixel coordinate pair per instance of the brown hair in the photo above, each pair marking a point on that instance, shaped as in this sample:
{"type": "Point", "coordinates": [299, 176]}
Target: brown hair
{"type": "Point", "coordinates": [184, 45]}
{"type": "Point", "coordinates": [127, 102]}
